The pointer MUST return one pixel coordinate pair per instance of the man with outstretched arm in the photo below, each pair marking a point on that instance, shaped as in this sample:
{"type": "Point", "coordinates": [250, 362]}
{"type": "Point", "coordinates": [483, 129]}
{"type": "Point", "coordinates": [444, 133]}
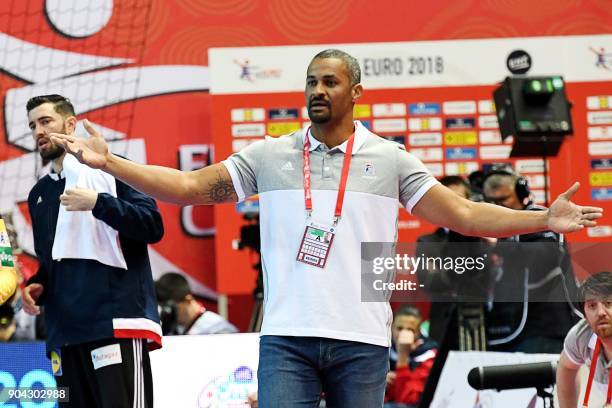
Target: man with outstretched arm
{"type": "Point", "coordinates": [317, 334]}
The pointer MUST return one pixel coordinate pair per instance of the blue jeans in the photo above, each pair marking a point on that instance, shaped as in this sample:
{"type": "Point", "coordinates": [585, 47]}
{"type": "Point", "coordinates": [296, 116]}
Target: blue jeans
{"type": "Point", "coordinates": [293, 371]}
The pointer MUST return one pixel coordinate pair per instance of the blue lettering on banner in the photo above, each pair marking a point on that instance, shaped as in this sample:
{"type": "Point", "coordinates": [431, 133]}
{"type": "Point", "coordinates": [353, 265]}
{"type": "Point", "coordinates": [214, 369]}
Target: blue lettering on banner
{"type": "Point", "coordinates": [460, 153]}
{"type": "Point", "coordinates": [283, 113]}
{"type": "Point", "coordinates": [397, 139]}
{"type": "Point", "coordinates": [422, 108]}
{"type": "Point", "coordinates": [601, 194]}
{"type": "Point", "coordinates": [367, 124]}
{"type": "Point", "coordinates": [601, 164]}
{"type": "Point", "coordinates": [460, 123]}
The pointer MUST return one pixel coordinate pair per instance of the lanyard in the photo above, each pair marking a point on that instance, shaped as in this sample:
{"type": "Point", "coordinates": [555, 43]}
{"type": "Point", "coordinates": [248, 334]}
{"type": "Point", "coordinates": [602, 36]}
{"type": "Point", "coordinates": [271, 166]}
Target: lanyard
{"type": "Point", "coordinates": [587, 392]}
{"type": "Point", "coordinates": [343, 178]}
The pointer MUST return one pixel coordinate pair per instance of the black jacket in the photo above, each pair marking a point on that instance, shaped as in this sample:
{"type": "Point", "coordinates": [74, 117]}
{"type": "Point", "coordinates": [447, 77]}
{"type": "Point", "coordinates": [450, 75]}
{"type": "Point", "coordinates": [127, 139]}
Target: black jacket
{"type": "Point", "coordinates": [86, 300]}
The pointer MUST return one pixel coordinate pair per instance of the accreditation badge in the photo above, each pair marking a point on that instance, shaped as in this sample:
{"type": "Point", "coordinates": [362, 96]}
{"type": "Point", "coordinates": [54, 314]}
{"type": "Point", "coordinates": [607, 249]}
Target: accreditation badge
{"type": "Point", "coordinates": [316, 244]}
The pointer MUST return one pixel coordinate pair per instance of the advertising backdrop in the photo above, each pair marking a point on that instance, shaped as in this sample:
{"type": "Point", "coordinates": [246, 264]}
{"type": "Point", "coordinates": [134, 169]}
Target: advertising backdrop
{"type": "Point", "coordinates": [139, 70]}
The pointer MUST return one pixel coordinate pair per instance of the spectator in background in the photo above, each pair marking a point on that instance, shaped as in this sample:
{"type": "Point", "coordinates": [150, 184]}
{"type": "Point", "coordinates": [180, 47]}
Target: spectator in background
{"type": "Point", "coordinates": [411, 357]}
{"type": "Point", "coordinates": [182, 313]}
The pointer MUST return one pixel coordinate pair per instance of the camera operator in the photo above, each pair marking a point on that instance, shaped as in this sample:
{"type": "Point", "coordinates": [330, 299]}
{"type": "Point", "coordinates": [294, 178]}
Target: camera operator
{"type": "Point", "coordinates": [532, 311]}
{"type": "Point", "coordinates": [181, 313]}
{"type": "Point", "coordinates": [450, 291]}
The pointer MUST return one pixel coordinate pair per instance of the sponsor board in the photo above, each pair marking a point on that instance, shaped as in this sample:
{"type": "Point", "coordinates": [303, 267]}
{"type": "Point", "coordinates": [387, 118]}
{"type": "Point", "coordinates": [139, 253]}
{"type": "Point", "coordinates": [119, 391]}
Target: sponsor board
{"type": "Point", "coordinates": [397, 139]}
{"type": "Point", "coordinates": [425, 139]}
{"type": "Point", "coordinates": [600, 178]}
{"type": "Point", "coordinates": [460, 123]}
{"type": "Point", "coordinates": [539, 196]}
{"type": "Point", "coordinates": [428, 153]}
{"type": "Point", "coordinates": [282, 128]}
{"type": "Point", "coordinates": [486, 106]}
{"type": "Point", "coordinates": [600, 148]}
{"type": "Point", "coordinates": [460, 138]}
{"type": "Point", "coordinates": [461, 168]}
{"type": "Point", "coordinates": [388, 109]}
{"type": "Point", "coordinates": [389, 125]}
{"type": "Point", "coordinates": [488, 122]}
{"type": "Point", "coordinates": [283, 113]}
{"type": "Point", "coordinates": [414, 64]}
{"type": "Point", "coordinates": [248, 129]}
{"type": "Point", "coordinates": [601, 164]}
{"type": "Point", "coordinates": [408, 224]}
{"type": "Point", "coordinates": [436, 169]}
{"type": "Point", "coordinates": [523, 166]}
{"type": "Point", "coordinates": [599, 231]}
{"type": "Point", "coordinates": [495, 152]}
{"type": "Point", "coordinates": [459, 107]}
{"type": "Point", "coordinates": [239, 144]}
{"type": "Point", "coordinates": [419, 124]}
{"type": "Point", "coordinates": [460, 153]}
{"type": "Point", "coordinates": [362, 111]}
{"type": "Point", "coordinates": [601, 194]}
{"type": "Point", "coordinates": [248, 115]}
{"type": "Point", "coordinates": [599, 118]}
{"type": "Point", "coordinates": [535, 180]}
{"type": "Point", "coordinates": [424, 108]}
{"type": "Point", "coordinates": [489, 137]}
{"type": "Point", "coordinates": [599, 102]}
{"type": "Point", "coordinates": [599, 132]}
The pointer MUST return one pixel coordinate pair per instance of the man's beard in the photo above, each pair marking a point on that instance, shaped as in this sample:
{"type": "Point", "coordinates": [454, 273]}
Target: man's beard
{"type": "Point", "coordinates": [53, 151]}
{"type": "Point", "coordinates": [320, 118]}
{"type": "Point", "coordinates": [603, 332]}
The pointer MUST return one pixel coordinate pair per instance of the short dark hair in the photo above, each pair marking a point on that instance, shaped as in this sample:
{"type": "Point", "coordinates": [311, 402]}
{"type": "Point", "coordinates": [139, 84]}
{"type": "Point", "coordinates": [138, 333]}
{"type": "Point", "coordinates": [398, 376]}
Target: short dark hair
{"type": "Point", "coordinates": [61, 104]}
{"type": "Point", "coordinates": [407, 310]}
{"type": "Point", "coordinates": [454, 181]}
{"type": "Point", "coordinates": [172, 286]}
{"type": "Point", "coordinates": [598, 285]}
{"type": "Point", "coordinates": [352, 65]}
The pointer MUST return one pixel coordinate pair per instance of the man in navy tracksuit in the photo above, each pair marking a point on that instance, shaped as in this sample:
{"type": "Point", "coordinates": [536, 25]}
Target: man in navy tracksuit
{"type": "Point", "coordinates": [91, 235]}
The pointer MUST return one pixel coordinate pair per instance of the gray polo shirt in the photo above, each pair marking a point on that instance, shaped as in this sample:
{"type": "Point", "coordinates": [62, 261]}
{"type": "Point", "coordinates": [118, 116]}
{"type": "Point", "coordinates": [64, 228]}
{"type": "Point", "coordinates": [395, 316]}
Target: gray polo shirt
{"type": "Point", "coordinates": [579, 347]}
{"type": "Point", "coordinates": [303, 300]}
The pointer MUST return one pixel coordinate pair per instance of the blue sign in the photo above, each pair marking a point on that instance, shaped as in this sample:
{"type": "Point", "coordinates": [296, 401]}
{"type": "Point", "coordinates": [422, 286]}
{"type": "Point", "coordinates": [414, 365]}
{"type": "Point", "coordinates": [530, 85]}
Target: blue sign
{"type": "Point", "coordinates": [601, 164]}
{"type": "Point", "coordinates": [397, 139]}
{"type": "Point", "coordinates": [460, 153]}
{"type": "Point", "coordinates": [601, 194]}
{"type": "Point", "coordinates": [460, 123]}
{"type": "Point", "coordinates": [367, 124]}
{"type": "Point", "coordinates": [423, 108]}
{"type": "Point", "coordinates": [283, 113]}
{"type": "Point", "coordinates": [24, 366]}
{"type": "Point", "coordinates": [248, 206]}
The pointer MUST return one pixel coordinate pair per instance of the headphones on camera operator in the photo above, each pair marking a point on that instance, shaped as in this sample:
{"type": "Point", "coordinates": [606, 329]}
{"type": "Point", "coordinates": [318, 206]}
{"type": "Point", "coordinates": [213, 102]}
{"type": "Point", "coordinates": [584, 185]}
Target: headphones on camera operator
{"type": "Point", "coordinates": [521, 185]}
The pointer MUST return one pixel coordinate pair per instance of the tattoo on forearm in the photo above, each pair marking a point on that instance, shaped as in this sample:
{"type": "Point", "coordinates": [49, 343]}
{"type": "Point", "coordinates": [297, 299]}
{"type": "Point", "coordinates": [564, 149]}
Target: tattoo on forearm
{"type": "Point", "coordinates": [221, 190]}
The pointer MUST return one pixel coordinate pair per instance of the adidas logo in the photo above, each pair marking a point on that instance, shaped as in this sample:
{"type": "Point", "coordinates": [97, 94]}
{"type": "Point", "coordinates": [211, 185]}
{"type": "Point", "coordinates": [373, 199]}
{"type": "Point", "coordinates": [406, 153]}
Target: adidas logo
{"type": "Point", "coordinates": [287, 166]}
{"type": "Point", "coordinates": [39, 200]}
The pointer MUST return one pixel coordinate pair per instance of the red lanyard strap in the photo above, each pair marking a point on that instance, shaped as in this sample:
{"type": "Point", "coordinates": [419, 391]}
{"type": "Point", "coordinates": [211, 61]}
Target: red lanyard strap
{"type": "Point", "coordinates": [594, 360]}
{"type": "Point", "coordinates": [343, 178]}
